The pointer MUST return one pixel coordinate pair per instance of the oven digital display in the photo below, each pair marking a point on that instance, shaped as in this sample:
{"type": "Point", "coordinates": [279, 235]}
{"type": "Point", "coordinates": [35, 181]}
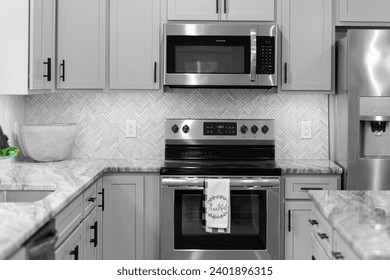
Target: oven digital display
{"type": "Point", "coordinates": [225, 128]}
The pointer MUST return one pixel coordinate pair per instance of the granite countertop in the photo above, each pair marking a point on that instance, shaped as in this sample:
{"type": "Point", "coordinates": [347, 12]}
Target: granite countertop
{"type": "Point", "coordinates": [308, 166]}
{"type": "Point", "coordinates": [356, 217]}
{"type": "Point", "coordinates": [67, 178]}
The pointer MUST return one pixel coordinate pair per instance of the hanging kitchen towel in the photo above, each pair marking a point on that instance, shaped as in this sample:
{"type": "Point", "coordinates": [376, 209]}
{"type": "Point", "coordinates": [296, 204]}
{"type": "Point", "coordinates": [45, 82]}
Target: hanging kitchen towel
{"type": "Point", "coordinates": [217, 205]}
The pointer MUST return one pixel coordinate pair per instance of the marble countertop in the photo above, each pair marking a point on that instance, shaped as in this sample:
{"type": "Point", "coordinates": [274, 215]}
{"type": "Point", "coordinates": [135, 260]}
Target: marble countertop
{"type": "Point", "coordinates": [356, 217]}
{"type": "Point", "coordinates": [19, 221]}
{"type": "Point", "coordinates": [294, 166]}
{"type": "Point", "coordinates": [69, 178]}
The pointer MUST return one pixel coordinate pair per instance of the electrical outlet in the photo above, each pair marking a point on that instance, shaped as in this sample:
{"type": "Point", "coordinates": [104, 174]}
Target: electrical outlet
{"type": "Point", "coordinates": [131, 129]}
{"type": "Point", "coordinates": [306, 130]}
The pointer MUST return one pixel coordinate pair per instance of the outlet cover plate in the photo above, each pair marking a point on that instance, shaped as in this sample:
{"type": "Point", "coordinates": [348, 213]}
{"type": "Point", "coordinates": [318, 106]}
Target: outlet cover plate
{"type": "Point", "coordinates": [131, 129]}
{"type": "Point", "coordinates": [306, 130]}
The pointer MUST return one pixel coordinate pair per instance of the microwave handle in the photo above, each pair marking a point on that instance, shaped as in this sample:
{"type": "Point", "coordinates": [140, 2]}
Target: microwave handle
{"type": "Point", "coordinates": [253, 55]}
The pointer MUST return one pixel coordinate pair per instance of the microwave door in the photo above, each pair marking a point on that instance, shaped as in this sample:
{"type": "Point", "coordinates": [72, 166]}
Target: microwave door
{"type": "Point", "coordinates": [210, 60]}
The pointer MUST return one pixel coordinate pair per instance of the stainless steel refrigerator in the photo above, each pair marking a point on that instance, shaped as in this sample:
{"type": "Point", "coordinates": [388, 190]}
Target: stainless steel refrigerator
{"type": "Point", "coordinates": [359, 112]}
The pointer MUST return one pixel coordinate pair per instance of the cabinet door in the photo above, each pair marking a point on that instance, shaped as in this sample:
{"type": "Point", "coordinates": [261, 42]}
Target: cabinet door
{"type": "Point", "coordinates": [81, 43]}
{"type": "Point", "coordinates": [307, 44]}
{"type": "Point", "coordinates": [72, 247]}
{"type": "Point", "coordinates": [99, 217]}
{"type": "Point", "coordinates": [194, 9]}
{"type": "Point", "coordinates": [134, 44]}
{"type": "Point", "coordinates": [91, 236]}
{"type": "Point", "coordinates": [42, 32]}
{"type": "Point", "coordinates": [261, 10]}
{"type": "Point", "coordinates": [365, 11]}
{"type": "Point", "coordinates": [123, 216]}
{"type": "Point", "coordinates": [297, 230]}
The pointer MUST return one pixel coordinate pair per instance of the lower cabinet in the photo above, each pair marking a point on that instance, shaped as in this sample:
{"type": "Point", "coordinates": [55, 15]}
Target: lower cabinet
{"type": "Point", "coordinates": [72, 247]}
{"type": "Point", "coordinates": [297, 230]}
{"type": "Point", "coordinates": [131, 216]}
{"type": "Point", "coordinates": [297, 211]}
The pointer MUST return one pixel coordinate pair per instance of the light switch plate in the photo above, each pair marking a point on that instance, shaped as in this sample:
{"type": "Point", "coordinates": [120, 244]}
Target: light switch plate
{"type": "Point", "coordinates": [131, 129]}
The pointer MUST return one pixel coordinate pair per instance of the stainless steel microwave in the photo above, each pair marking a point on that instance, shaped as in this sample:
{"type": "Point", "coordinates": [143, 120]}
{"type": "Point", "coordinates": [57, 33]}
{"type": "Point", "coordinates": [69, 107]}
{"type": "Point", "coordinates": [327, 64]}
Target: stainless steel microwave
{"type": "Point", "coordinates": [220, 55]}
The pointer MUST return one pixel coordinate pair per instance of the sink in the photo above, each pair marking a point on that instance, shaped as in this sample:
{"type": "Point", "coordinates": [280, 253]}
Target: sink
{"type": "Point", "coordinates": [23, 195]}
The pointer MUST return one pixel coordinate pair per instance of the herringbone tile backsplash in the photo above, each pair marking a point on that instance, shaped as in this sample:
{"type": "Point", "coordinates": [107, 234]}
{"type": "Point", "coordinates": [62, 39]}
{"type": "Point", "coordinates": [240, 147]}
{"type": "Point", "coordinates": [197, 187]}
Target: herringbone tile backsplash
{"type": "Point", "coordinates": [101, 118]}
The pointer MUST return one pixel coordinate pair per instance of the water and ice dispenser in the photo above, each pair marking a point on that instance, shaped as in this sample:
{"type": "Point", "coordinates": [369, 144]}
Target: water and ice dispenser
{"type": "Point", "coordinates": [374, 127]}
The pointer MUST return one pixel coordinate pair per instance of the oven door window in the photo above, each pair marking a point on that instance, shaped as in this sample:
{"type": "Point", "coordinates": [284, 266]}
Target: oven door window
{"type": "Point", "coordinates": [208, 54]}
{"type": "Point", "coordinates": [248, 222]}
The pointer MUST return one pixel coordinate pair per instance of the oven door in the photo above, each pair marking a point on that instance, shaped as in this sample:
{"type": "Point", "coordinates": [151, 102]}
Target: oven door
{"type": "Point", "coordinates": [254, 225]}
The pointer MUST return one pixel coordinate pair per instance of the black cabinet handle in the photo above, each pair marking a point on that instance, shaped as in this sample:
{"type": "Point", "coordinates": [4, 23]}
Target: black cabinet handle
{"type": "Point", "coordinates": [155, 72]}
{"type": "Point", "coordinates": [311, 189]}
{"type": "Point", "coordinates": [102, 205]}
{"type": "Point", "coordinates": [62, 65]}
{"type": "Point", "coordinates": [48, 75]}
{"type": "Point", "coordinates": [313, 222]}
{"type": "Point", "coordinates": [75, 252]}
{"type": "Point", "coordinates": [224, 6]}
{"type": "Point", "coordinates": [289, 220]}
{"type": "Point", "coordinates": [92, 199]}
{"type": "Point", "coordinates": [323, 235]}
{"type": "Point", "coordinates": [313, 258]}
{"type": "Point", "coordinates": [285, 72]}
{"type": "Point", "coordinates": [337, 255]}
{"type": "Point", "coordinates": [217, 6]}
{"type": "Point", "coordinates": [94, 240]}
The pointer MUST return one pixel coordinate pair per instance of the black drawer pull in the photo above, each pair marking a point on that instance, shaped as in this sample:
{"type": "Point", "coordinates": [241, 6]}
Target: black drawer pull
{"type": "Point", "coordinates": [92, 199]}
{"type": "Point", "coordinates": [313, 222]}
{"type": "Point", "coordinates": [311, 189]}
{"type": "Point", "coordinates": [289, 220]}
{"type": "Point", "coordinates": [94, 240]}
{"type": "Point", "coordinates": [313, 258]}
{"type": "Point", "coordinates": [285, 72]}
{"type": "Point", "coordinates": [48, 75]}
{"type": "Point", "coordinates": [75, 252]}
{"type": "Point", "coordinates": [323, 235]}
{"type": "Point", "coordinates": [102, 205]}
{"type": "Point", "coordinates": [62, 65]}
{"type": "Point", "coordinates": [337, 255]}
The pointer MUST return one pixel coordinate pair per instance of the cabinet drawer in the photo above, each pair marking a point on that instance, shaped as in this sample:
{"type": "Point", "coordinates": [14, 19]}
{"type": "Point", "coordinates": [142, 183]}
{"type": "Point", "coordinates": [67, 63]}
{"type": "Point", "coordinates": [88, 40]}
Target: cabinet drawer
{"type": "Point", "coordinates": [297, 187]}
{"type": "Point", "coordinates": [90, 199]}
{"type": "Point", "coordinates": [341, 250]}
{"type": "Point", "coordinates": [317, 252]}
{"type": "Point", "coordinates": [322, 231]}
{"type": "Point", "coordinates": [68, 219]}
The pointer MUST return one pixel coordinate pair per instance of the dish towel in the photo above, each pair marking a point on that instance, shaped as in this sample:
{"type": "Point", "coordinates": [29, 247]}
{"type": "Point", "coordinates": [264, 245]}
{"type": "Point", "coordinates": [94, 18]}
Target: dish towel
{"type": "Point", "coordinates": [217, 205]}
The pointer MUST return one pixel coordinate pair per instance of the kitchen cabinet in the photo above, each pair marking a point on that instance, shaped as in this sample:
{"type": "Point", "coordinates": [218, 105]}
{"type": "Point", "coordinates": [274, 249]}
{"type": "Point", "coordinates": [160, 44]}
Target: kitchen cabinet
{"type": "Point", "coordinates": [240, 10]}
{"type": "Point", "coordinates": [297, 230]}
{"type": "Point", "coordinates": [131, 216]}
{"type": "Point", "coordinates": [99, 217]}
{"type": "Point", "coordinates": [78, 228]}
{"type": "Point", "coordinates": [134, 44]}
{"type": "Point", "coordinates": [364, 11]}
{"type": "Point", "coordinates": [306, 45]}
{"type": "Point", "coordinates": [297, 211]}
{"type": "Point", "coordinates": [81, 44]}
{"type": "Point", "coordinates": [27, 48]}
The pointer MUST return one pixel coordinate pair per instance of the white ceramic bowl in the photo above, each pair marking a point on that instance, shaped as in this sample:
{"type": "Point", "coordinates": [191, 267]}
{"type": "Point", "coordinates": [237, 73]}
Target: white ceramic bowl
{"type": "Point", "coordinates": [47, 142]}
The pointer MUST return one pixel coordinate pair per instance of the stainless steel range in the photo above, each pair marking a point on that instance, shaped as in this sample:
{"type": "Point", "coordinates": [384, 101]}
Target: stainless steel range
{"type": "Point", "coordinates": [240, 150]}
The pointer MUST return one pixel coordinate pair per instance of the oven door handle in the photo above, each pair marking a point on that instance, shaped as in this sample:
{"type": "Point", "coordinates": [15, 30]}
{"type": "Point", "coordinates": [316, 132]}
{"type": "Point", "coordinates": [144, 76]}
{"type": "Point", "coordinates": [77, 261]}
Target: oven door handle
{"type": "Point", "coordinates": [255, 183]}
{"type": "Point", "coordinates": [175, 182]}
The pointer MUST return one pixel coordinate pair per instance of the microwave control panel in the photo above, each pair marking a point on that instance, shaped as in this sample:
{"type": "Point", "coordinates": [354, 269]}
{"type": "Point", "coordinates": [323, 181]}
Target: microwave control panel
{"type": "Point", "coordinates": [265, 55]}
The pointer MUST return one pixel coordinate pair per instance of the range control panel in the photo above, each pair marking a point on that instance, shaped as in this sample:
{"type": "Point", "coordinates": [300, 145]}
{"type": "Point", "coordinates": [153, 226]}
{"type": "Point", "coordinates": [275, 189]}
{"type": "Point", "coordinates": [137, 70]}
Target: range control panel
{"type": "Point", "coordinates": [231, 129]}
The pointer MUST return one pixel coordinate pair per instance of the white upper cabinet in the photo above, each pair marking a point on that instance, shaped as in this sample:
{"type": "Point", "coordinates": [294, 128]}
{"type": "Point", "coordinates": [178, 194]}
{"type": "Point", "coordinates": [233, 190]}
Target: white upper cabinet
{"type": "Point", "coordinates": [42, 44]}
{"type": "Point", "coordinates": [364, 11]}
{"type": "Point", "coordinates": [27, 45]}
{"type": "Point", "coordinates": [251, 10]}
{"type": "Point", "coordinates": [307, 45]}
{"type": "Point", "coordinates": [134, 44]}
{"type": "Point", "coordinates": [263, 10]}
{"type": "Point", "coordinates": [81, 44]}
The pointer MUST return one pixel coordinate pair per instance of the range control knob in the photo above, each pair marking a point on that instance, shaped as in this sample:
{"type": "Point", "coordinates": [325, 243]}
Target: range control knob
{"type": "Point", "coordinates": [244, 129]}
{"type": "Point", "coordinates": [186, 129]}
{"type": "Point", "coordinates": [264, 129]}
{"type": "Point", "coordinates": [175, 128]}
{"type": "Point", "coordinates": [254, 129]}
